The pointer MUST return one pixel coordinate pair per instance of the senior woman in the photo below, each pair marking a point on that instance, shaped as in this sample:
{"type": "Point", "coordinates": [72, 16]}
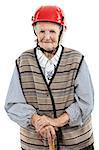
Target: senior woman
{"type": "Point", "coordinates": [51, 94]}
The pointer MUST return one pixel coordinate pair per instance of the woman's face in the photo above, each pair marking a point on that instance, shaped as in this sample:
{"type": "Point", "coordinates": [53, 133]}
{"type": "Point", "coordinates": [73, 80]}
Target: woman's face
{"type": "Point", "coordinates": [47, 35]}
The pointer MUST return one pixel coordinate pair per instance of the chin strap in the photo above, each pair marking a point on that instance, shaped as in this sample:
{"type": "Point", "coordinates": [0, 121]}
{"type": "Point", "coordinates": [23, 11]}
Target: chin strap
{"type": "Point", "coordinates": [50, 52]}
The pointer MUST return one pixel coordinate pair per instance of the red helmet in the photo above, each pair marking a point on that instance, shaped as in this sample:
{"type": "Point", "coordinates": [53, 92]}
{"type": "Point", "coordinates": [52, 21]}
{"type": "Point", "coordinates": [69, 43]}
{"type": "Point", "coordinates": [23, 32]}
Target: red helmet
{"type": "Point", "coordinates": [49, 13]}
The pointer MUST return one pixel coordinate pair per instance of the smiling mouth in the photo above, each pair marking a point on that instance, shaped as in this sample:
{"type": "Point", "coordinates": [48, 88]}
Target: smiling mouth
{"type": "Point", "coordinates": [47, 42]}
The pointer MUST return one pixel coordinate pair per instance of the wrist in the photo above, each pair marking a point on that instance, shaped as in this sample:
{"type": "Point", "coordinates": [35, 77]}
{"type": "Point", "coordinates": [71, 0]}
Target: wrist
{"type": "Point", "coordinates": [35, 117]}
{"type": "Point", "coordinates": [62, 120]}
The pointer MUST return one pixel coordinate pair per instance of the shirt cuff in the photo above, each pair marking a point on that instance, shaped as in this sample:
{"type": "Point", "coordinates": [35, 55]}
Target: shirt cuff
{"type": "Point", "coordinates": [74, 114]}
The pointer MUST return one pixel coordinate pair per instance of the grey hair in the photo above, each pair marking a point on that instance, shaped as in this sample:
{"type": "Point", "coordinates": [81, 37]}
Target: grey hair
{"type": "Point", "coordinates": [36, 26]}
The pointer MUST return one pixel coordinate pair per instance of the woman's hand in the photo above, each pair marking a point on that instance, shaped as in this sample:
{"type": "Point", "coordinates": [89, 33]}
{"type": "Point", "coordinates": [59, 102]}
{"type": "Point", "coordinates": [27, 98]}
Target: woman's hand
{"type": "Point", "coordinates": [48, 133]}
{"type": "Point", "coordinates": [41, 121]}
{"type": "Point", "coordinates": [55, 122]}
{"type": "Point", "coordinates": [43, 127]}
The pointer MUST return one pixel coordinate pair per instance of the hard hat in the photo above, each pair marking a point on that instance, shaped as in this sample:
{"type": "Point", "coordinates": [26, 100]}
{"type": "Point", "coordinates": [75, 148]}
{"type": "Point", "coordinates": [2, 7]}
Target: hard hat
{"type": "Point", "coordinates": [49, 13]}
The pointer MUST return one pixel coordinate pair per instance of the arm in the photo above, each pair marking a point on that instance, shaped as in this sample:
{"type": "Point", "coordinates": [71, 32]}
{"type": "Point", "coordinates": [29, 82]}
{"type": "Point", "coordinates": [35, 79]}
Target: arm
{"type": "Point", "coordinates": [16, 107]}
{"type": "Point", "coordinates": [81, 110]}
{"type": "Point", "coordinates": [21, 112]}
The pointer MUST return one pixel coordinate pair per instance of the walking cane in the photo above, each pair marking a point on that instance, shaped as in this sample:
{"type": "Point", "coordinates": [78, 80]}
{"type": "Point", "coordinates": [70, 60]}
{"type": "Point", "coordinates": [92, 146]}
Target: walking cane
{"type": "Point", "coordinates": [52, 146]}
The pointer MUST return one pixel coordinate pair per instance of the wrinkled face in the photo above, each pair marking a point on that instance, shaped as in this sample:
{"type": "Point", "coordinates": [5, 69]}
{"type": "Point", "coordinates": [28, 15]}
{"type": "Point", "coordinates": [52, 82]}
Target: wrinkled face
{"type": "Point", "coordinates": [47, 35]}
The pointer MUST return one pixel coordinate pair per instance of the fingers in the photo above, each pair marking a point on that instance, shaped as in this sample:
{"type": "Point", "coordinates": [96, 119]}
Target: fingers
{"type": "Point", "coordinates": [49, 137]}
{"type": "Point", "coordinates": [53, 133]}
{"type": "Point", "coordinates": [45, 129]}
{"type": "Point", "coordinates": [48, 132]}
{"type": "Point", "coordinates": [41, 123]}
{"type": "Point", "coordinates": [43, 133]}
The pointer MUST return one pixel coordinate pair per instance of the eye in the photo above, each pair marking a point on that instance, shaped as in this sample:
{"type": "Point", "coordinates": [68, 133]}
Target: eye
{"type": "Point", "coordinates": [52, 31]}
{"type": "Point", "coordinates": [42, 31]}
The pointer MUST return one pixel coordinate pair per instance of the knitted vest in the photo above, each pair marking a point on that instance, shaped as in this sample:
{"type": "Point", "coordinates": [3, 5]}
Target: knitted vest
{"type": "Point", "coordinates": [61, 89]}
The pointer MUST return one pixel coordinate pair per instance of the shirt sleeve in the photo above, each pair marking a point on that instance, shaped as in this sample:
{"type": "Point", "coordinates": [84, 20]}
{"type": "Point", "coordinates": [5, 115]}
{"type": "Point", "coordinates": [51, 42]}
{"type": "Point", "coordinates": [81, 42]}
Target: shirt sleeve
{"type": "Point", "coordinates": [81, 110]}
{"type": "Point", "coordinates": [15, 105]}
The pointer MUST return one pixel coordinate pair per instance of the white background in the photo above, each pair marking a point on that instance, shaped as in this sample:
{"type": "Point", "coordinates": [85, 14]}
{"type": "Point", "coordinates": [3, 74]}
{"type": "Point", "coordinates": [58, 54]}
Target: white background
{"type": "Point", "coordinates": [16, 35]}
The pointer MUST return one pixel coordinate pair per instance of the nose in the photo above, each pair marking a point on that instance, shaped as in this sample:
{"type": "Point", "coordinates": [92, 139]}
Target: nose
{"type": "Point", "coordinates": [47, 35]}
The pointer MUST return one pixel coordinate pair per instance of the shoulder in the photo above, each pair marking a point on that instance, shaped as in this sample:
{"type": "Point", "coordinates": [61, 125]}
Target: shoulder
{"type": "Point", "coordinates": [73, 55]}
{"type": "Point", "coordinates": [25, 56]}
{"type": "Point", "coordinates": [72, 51]}
{"type": "Point", "coordinates": [29, 52]}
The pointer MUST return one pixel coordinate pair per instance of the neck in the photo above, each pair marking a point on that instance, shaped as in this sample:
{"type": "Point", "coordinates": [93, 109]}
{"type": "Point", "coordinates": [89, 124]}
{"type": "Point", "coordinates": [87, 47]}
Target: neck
{"type": "Point", "coordinates": [50, 53]}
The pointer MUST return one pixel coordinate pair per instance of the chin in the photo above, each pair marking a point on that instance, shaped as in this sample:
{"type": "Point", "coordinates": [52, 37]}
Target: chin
{"type": "Point", "coordinates": [48, 48]}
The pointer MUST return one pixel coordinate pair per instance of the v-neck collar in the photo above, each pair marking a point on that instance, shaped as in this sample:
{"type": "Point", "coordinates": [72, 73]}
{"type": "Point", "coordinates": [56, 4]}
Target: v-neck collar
{"type": "Point", "coordinates": [43, 59]}
{"type": "Point", "coordinates": [48, 84]}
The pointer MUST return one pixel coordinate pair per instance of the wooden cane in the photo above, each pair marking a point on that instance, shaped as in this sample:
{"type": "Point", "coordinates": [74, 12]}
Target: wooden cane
{"type": "Point", "coordinates": [52, 146]}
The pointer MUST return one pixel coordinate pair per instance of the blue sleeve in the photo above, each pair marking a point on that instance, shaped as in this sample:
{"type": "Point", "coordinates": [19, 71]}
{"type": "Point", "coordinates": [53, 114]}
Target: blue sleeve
{"type": "Point", "coordinates": [15, 105]}
{"type": "Point", "coordinates": [81, 110]}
